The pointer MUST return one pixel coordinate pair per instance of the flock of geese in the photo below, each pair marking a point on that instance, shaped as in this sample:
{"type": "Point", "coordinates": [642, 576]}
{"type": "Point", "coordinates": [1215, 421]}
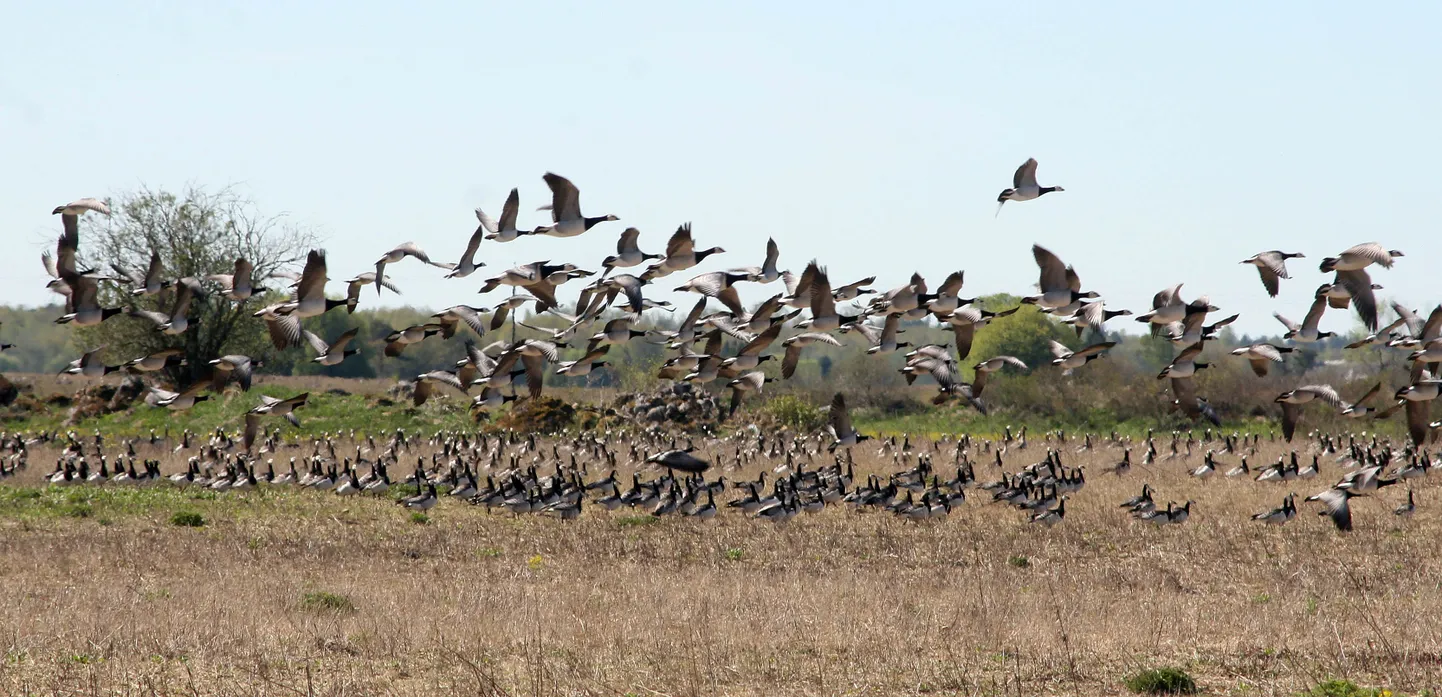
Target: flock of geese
{"type": "Point", "coordinates": [808, 310]}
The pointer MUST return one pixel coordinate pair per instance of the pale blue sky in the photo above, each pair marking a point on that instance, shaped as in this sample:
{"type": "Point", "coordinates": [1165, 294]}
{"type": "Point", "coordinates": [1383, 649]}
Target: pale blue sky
{"type": "Point", "coordinates": [1187, 136]}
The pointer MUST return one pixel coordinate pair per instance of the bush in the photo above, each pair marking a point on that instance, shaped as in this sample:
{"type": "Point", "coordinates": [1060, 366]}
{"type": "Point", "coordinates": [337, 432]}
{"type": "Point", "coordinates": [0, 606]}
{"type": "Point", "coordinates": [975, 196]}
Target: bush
{"type": "Point", "coordinates": [1019, 562]}
{"type": "Point", "coordinates": [630, 521]}
{"type": "Point", "coordinates": [1162, 681]}
{"type": "Point", "coordinates": [1344, 688]}
{"type": "Point", "coordinates": [420, 518]}
{"type": "Point", "coordinates": [327, 602]}
{"type": "Point", "coordinates": [796, 413]}
{"type": "Point", "coordinates": [187, 519]}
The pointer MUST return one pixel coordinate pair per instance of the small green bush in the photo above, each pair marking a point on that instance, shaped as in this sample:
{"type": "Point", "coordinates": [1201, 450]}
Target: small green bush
{"type": "Point", "coordinates": [327, 602]}
{"type": "Point", "coordinates": [1344, 688]}
{"type": "Point", "coordinates": [631, 521]}
{"type": "Point", "coordinates": [794, 412]}
{"type": "Point", "coordinates": [1019, 562]}
{"type": "Point", "coordinates": [735, 554]}
{"type": "Point", "coordinates": [79, 510]}
{"type": "Point", "coordinates": [187, 519]}
{"type": "Point", "coordinates": [1162, 681]}
{"type": "Point", "coordinates": [420, 518]}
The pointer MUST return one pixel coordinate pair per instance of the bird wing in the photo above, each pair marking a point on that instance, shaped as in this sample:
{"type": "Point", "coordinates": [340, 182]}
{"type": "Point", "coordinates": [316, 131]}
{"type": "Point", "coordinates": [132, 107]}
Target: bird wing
{"type": "Point", "coordinates": [762, 341]}
{"type": "Point", "coordinates": [1058, 349]}
{"type": "Point", "coordinates": [791, 359]}
{"type": "Point", "coordinates": [1053, 271]}
{"type": "Point", "coordinates": [870, 333]}
{"type": "Point", "coordinates": [822, 304]}
{"type": "Point", "coordinates": [312, 279]}
{"type": "Point", "coordinates": [1419, 414]}
{"type": "Point", "coordinates": [839, 420]}
{"type": "Point", "coordinates": [628, 241]}
{"type": "Point", "coordinates": [1325, 393]}
{"type": "Point", "coordinates": [680, 242]}
{"type": "Point", "coordinates": [1269, 279]}
{"type": "Point", "coordinates": [565, 198]}
{"type": "Point", "coordinates": [1025, 174]}
{"type": "Point", "coordinates": [1314, 315]}
{"type": "Point", "coordinates": [1359, 285]}
{"type": "Point", "coordinates": [1289, 324]}
{"type": "Point", "coordinates": [1433, 328]}
{"type": "Point", "coordinates": [510, 211]}
{"type": "Point", "coordinates": [316, 343]}
{"type": "Point", "coordinates": [68, 244]}
{"type": "Point", "coordinates": [1371, 251]}
{"type": "Point", "coordinates": [535, 374]}
{"type": "Point", "coordinates": [284, 331]}
{"type": "Point", "coordinates": [1096, 348]}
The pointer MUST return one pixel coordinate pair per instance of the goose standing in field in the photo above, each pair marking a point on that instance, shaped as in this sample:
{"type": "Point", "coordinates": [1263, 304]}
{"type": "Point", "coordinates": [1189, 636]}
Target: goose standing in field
{"type": "Point", "coordinates": [565, 207]}
{"type": "Point", "coordinates": [1071, 360]}
{"type": "Point", "coordinates": [1307, 332]}
{"type": "Point", "coordinates": [1406, 510]}
{"type": "Point", "coordinates": [680, 255]}
{"type": "Point", "coordinates": [1050, 517]}
{"type": "Point", "coordinates": [1292, 404]}
{"type": "Point", "coordinates": [796, 344]}
{"type": "Point", "coordinates": [1281, 515]}
{"type": "Point", "coordinates": [354, 286]}
{"type": "Point", "coordinates": [1059, 284]}
{"type": "Point", "coordinates": [628, 253]}
{"type": "Point", "coordinates": [186, 289]}
{"type": "Point", "coordinates": [159, 360]}
{"type": "Point", "coordinates": [239, 284]}
{"type": "Point", "coordinates": [89, 365]}
{"type": "Point", "coordinates": [149, 283]}
{"type": "Point", "coordinates": [401, 251]}
{"type": "Point", "coordinates": [505, 230]}
{"type": "Point", "coordinates": [767, 272]}
{"type": "Point", "coordinates": [1272, 266]}
{"type": "Point", "coordinates": [838, 421]}
{"type": "Point", "coordinates": [1360, 257]}
{"type": "Point", "coordinates": [1262, 355]}
{"type": "Point", "coordinates": [1024, 186]}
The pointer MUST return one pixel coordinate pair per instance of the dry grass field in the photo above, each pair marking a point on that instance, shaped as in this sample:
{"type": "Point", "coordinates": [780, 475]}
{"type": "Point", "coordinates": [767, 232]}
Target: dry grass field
{"type": "Point", "coordinates": [284, 591]}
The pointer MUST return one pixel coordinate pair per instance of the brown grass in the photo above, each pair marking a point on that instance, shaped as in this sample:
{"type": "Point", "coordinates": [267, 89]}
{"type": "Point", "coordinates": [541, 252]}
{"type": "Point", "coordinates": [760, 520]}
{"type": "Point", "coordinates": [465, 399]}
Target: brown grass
{"type": "Point", "coordinates": [841, 602]}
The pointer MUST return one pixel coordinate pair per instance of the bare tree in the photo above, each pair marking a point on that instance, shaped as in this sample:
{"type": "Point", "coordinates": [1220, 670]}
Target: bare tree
{"type": "Point", "coordinates": [197, 233]}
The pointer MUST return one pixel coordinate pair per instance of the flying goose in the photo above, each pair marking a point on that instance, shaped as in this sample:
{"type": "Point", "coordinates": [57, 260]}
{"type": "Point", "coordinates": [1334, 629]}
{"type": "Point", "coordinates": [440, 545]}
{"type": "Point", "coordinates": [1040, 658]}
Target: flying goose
{"type": "Point", "coordinates": [1059, 284]}
{"type": "Point", "coordinates": [452, 317]}
{"type": "Point", "coordinates": [1261, 355]}
{"type": "Point", "coordinates": [428, 383]}
{"type": "Point", "coordinates": [565, 207]}
{"type": "Point", "coordinates": [150, 283]}
{"type": "Point", "coordinates": [1360, 257]}
{"type": "Point", "coordinates": [1272, 266]}
{"type": "Point", "coordinates": [398, 340]}
{"type": "Point", "coordinates": [331, 354]}
{"type": "Point", "coordinates": [1092, 315]}
{"type": "Point", "coordinates": [81, 207]}
{"type": "Point", "coordinates": [353, 289]}
{"type": "Point", "coordinates": [628, 252]}
{"type": "Point", "coordinates": [838, 421]}
{"type": "Point", "coordinates": [681, 254]}
{"type": "Point", "coordinates": [796, 344]}
{"type": "Point", "coordinates": [1071, 360]}
{"type": "Point", "coordinates": [1307, 332]}
{"type": "Point", "coordinates": [748, 382]}
{"type": "Point", "coordinates": [1184, 365]}
{"type": "Point", "coordinates": [583, 366]}
{"type": "Point", "coordinates": [239, 284]}
{"type": "Point", "coordinates": [177, 321]}
{"type": "Point", "coordinates": [400, 252]}
{"type": "Point", "coordinates": [177, 401]}
{"type": "Point", "coordinates": [467, 265]}
{"type": "Point", "coordinates": [1024, 186]}
{"type": "Point", "coordinates": [232, 367]}
{"type": "Point", "coordinates": [992, 365]}
{"type": "Point", "coordinates": [310, 300]}
{"type": "Point", "coordinates": [824, 317]}
{"type": "Point", "coordinates": [1192, 329]}
{"type": "Point", "coordinates": [158, 360]}
{"type": "Point", "coordinates": [89, 365]}
{"type": "Point", "coordinates": [282, 407]}
{"type": "Point", "coordinates": [680, 459]}
{"type": "Point", "coordinates": [721, 286]}
{"type": "Point", "coordinates": [767, 272]}
{"type": "Point", "coordinates": [505, 230]}
{"type": "Point", "coordinates": [1292, 404]}
{"type": "Point", "coordinates": [881, 340]}
{"type": "Point", "coordinates": [83, 302]}
{"type": "Point", "coordinates": [1353, 287]}
{"type": "Point", "coordinates": [1358, 409]}
{"type": "Point", "coordinates": [1335, 506]}
{"type": "Point", "coordinates": [1168, 308]}
{"type": "Point", "coordinates": [615, 332]}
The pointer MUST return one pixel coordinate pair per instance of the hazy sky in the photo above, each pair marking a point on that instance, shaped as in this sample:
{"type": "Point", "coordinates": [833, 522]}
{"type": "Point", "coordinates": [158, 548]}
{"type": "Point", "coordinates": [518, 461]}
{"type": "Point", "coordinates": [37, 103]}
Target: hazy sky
{"type": "Point", "coordinates": [1188, 137]}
